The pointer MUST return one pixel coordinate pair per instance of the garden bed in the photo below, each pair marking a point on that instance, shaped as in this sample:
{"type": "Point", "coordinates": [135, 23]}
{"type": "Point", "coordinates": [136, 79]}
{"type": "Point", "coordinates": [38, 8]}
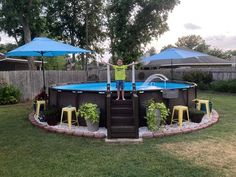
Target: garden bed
{"type": "Point", "coordinates": [166, 130]}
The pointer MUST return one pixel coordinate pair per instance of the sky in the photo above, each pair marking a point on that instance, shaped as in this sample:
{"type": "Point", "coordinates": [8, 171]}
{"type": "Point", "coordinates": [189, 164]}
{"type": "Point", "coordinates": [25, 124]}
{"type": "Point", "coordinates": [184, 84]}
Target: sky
{"type": "Point", "coordinates": [213, 20]}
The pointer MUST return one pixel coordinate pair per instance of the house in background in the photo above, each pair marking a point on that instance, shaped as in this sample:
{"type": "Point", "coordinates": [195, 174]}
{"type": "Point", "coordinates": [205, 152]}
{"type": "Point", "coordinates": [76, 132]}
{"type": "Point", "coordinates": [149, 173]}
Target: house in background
{"type": "Point", "coordinates": [14, 64]}
{"type": "Point", "coordinates": [233, 61]}
{"type": "Point", "coordinates": [194, 62]}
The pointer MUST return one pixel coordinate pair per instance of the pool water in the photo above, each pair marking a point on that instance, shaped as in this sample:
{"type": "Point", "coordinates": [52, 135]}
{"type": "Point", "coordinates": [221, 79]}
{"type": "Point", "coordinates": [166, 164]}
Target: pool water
{"type": "Point", "coordinates": [102, 86]}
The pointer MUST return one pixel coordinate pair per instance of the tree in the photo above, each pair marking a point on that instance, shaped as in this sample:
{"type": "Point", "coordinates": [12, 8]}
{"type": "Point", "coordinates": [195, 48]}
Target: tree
{"type": "Point", "coordinates": [194, 42]}
{"type": "Point", "coordinates": [167, 47]}
{"type": "Point", "coordinates": [232, 52]}
{"type": "Point", "coordinates": [7, 47]}
{"type": "Point", "coordinates": [55, 63]}
{"type": "Point", "coordinates": [79, 23]}
{"type": "Point", "coordinates": [219, 53]}
{"type": "Point", "coordinates": [152, 51]}
{"type": "Point", "coordinates": [19, 18]}
{"type": "Point", "coordinates": [134, 23]}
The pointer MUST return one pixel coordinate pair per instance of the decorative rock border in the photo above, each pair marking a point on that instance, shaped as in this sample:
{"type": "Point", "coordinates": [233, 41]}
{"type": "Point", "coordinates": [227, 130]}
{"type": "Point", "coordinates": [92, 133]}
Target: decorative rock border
{"type": "Point", "coordinates": [187, 127]}
{"type": "Point", "coordinates": [143, 131]}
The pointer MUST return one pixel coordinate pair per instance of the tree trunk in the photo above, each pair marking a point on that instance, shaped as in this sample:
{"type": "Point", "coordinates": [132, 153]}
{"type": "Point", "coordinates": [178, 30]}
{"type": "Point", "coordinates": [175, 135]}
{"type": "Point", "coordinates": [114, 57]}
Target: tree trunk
{"type": "Point", "coordinates": [27, 32]}
{"type": "Point", "coordinates": [27, 38]}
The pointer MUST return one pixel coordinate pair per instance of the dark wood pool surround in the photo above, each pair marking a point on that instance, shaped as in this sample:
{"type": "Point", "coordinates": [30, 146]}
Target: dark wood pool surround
{"type": "Point", "coordinates": [105, 101]}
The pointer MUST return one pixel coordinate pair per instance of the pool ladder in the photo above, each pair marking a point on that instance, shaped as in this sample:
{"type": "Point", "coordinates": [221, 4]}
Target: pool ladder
{"type": "Point", "coordinates": [122, 117]}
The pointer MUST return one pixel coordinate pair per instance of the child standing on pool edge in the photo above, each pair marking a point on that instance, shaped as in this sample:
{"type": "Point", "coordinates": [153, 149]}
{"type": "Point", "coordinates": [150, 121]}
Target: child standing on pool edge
{"type": "Point", "coordinates": [120, 76]}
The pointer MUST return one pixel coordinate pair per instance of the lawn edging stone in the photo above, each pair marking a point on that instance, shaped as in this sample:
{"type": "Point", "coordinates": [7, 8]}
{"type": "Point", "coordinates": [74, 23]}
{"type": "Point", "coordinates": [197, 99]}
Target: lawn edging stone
{"type": "Point", "coordinates": [101, 134]}
{"type": "Point", "coordinates": [55, 129]}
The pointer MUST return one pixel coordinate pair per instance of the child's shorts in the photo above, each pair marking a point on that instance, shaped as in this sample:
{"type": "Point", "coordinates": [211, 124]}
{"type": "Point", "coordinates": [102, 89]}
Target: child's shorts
{"type": "Point", "coordinates": [120, 84]}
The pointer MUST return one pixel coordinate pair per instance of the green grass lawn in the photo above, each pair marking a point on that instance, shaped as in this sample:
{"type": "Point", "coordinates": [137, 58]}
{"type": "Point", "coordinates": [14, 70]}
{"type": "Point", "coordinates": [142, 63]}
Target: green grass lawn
{"type": "Point", "coordinates": [26, 151]}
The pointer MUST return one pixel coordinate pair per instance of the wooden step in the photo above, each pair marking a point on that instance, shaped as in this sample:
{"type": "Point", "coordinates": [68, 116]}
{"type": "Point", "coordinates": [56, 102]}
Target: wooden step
{"type": "Point", "coordinates": [124, 135]}
{"type": "Point", "coordinates": [121, 102]}
{"type": "Point", "coordinates": [121, 111]}
{"type": "Point", "coordinates": [122, 106]}
{"type": "Point", "coordinates": [122, 129]}
{"type": "Point", "coordinates": [122, 120]}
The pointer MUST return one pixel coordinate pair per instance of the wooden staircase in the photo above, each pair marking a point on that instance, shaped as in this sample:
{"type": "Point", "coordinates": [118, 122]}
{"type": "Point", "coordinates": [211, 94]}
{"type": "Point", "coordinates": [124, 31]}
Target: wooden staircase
{"type": "Point", "coordinates": [122, 117]}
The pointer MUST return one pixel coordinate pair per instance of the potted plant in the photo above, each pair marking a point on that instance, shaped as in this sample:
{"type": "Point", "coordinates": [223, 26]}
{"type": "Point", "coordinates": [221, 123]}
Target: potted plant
{"type": "Point", "coordinates": [156, 115]}
{"type": "Point", "coordinates": [196, 115]}
{"type": "Point", "coordinates": [90, 113]}
{"type": "Point", "coordinates": [52, 115]}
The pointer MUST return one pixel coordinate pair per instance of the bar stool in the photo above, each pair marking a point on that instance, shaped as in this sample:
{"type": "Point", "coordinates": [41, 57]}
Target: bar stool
{"type": "Point", "coordinates": [38, 105]}
{"type": "Point", "coordinates": [180, 110]}
{"type": "Point", "coordinates": [203, 102]}
{"type": "Point", "coordinates": [69, 111]}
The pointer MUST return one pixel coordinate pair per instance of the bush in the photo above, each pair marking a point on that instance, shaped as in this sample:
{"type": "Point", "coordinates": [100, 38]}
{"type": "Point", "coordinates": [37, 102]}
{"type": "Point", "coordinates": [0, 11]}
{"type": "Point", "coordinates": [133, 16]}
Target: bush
{"type": "Point", "coordinates": [224, 86]}
{"type": "Point", "coordinates": [9, 94]}
{"type": "Point", "coordinates": [203, 79]}
{"type": "Point", "coordinates": [89, 111]}
{"type": "Point", "coordinates": [151, 114]}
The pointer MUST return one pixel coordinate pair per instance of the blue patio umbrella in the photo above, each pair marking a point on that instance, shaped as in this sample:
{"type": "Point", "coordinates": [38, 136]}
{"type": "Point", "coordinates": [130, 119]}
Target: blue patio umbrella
{"type": "Point", "coordinates": [174, 54]}
{"type": "Point", "coordinates": [45, 47]}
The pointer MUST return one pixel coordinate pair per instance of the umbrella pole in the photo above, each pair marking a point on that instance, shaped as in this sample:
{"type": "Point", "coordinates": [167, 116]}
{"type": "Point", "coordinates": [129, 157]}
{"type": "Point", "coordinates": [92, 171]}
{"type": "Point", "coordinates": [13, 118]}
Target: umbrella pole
{"type": "Point", "coordinates": [171, 69]}
{"type": "Point", "coordinates": [44, 87]}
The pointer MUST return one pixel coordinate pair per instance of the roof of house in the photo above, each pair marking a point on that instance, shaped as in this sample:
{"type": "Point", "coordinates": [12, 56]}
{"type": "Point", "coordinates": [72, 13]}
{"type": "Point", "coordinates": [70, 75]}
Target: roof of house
{"type": "Point", "coordinates": [16, 60]}
{"type": "Point", "coordinates": [194, 61]}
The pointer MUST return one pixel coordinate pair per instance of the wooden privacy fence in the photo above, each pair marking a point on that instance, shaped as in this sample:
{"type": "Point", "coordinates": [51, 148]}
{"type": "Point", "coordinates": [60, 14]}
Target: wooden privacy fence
{"type": "Point", "coordinates": [30, 82]}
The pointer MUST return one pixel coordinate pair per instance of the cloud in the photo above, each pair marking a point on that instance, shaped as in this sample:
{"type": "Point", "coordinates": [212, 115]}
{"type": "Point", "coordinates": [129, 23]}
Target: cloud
{"type": "Point", "coordinates": [4, 38]}
{"type": "Point", "coordinates": [191, 26]}
{"type": "Point", "coordinates": [222, 42]}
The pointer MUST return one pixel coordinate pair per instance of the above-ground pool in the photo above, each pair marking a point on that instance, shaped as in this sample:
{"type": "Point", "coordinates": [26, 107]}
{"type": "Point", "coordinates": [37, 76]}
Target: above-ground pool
{"type": "Point", "coordinates": [140, 86]}
{"type": "Point", "coordinates": [170, 92]}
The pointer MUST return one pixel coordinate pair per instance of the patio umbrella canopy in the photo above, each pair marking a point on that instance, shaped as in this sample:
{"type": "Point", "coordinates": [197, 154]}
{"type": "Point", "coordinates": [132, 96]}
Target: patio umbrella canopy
{"type": "Point", "coordinates": [174, 54]}
{"type": "Point", "coordinates": [42, 46]}
{"type": "Point", "coordinates": [45, 47]}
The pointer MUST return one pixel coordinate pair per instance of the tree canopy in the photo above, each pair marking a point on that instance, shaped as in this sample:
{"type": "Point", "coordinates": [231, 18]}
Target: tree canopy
{"type": "Point", "coordinates": [21, 20]}
{"type": "Point", "coordinates": [134, 23]}
{"type": "Point", "coordinates": [127, 26]}
{"type": "Point", "coordinates": [196, 42]}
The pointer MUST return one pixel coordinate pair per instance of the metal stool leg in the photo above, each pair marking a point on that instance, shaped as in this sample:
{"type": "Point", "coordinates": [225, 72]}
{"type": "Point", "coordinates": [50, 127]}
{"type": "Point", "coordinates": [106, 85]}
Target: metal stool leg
{"type": "Point", "coordinates": [172, 117]}
{"type": "Point", "coordinates": [62, 115]}
{"type": "Point", "coordinates": [180, 118]}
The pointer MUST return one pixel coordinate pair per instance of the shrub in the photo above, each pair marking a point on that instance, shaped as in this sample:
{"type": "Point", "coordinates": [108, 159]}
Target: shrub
{"type": "Point", "coordinates": [9, 94]}
{"type": "Point", "coordinates": [203, 79]}
{"type": "Point", "coordinates": [224, 86]}
{"type": "Point", "coordinates": [152, 120]}
{"type": "Point", "coordinates": [89, 111]}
